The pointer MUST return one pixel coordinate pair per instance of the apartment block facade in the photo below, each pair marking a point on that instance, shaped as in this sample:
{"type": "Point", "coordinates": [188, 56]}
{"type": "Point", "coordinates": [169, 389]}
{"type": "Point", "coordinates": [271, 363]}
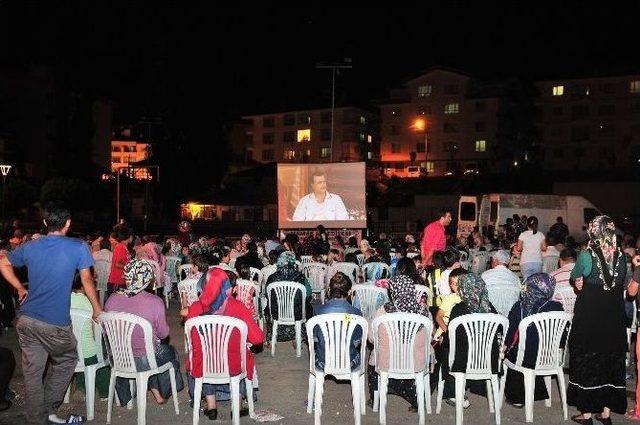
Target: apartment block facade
{"type": "Point", "coordinates": [305, 136]}
{"type": "Point", "coordinates": [589, 123]}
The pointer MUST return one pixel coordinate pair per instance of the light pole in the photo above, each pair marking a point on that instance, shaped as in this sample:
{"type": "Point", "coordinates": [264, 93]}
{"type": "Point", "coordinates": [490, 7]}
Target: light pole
{"type": "Point", "coordinates": [334, 68]}
{"type": "Point", "coordinates": [5, 170]}
{"type": "Point", "coordinates": [420, 124]}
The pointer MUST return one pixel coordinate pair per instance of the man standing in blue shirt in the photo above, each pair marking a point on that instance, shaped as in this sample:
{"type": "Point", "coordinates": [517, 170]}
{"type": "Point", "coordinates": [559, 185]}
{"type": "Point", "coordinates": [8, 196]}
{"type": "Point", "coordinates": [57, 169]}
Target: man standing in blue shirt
{"type": "Point", "coordinates": [44, 325]}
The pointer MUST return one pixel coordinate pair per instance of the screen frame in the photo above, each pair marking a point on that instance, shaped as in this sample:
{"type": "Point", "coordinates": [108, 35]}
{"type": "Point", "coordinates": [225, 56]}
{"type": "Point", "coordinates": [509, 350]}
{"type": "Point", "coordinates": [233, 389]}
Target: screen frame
{"type": "Point", "coordinates": [328, 224]}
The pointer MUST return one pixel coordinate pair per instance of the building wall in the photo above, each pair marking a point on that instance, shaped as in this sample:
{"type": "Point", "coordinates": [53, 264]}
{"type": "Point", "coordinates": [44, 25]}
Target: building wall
{"type": "Point", "coordinates": [589, 123]}
{"type": "Point", "coordinates": [125, 152]}
{"type": "Point", "coordinates": [428, 112]}
{"type": "Point", "coordinates": [281, 137]}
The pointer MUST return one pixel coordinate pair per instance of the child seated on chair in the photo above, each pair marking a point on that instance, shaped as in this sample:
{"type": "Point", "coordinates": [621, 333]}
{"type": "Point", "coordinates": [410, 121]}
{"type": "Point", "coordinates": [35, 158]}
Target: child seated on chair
{"type": "Point", "coordinates": [255, 336]}
{"type": "Point", "coordinates": [135, 299]}
{"type": "Point", "coordinates": [448, 302]}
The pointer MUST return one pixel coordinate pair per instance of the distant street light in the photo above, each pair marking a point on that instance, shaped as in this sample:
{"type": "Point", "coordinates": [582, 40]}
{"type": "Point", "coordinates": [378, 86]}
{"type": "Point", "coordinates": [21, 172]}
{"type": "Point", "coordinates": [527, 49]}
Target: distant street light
{"type": "Point", "coordinates": [5, 170]}
{"type": "Point", "coordinates": [420, 125]}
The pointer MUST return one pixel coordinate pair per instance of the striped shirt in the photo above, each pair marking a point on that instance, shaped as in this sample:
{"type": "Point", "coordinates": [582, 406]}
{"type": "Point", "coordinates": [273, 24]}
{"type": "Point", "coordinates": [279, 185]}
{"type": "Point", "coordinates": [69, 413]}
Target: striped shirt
{"type": "Point", "coordinates": [562, 275]}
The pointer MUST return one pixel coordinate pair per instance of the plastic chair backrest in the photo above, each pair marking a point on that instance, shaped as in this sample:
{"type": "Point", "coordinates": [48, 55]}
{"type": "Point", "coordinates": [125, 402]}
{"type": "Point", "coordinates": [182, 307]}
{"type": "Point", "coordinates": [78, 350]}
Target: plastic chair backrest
{"type": "Point", "coordinates": [550, 263]}
{"type": "Point", "coordinates": [402, 330]}
{"type": "Point", "coordinates": [306, 259]}
{"type": "Point", "coordinates": [102, 268]}
{"type": "Point", "coordinates": [268, 271]}
{"type": "Point", "coordinates": [422, 290]}
{"type": "Point", "coordinates": [188, 291]}
{"type": "Point", "coordinates": [246, 292]}
{"type": "Point", "coordinates": [118, 328]}
{"type": "Point", "coordinates": [80, 319]}
{"type": "Point", "coordinates": [368, 298]}
{"type": "Point", "coordinates": [158, 274]}
{"type": "Point", "coordinates": [285, 293]}
{"type": "Point", "coordinates": [503, 297]}
{"type": "Point", "coordinates": [184, 272]}
{"type": "Point", "coordinates": [481, 329]}
{"type": "Point", "coordinates": [349, 269]}
{"type": "Point", "coordinates": [337, 330]}
{"type": "Point", "coordinates": [215, 333]}
{"type": "Point", "coordinates": [315, 273]}
{"type": "Point", "coordinates": [369, 271]}
{"type": "Point", "coordinates": [255, 275]}
{"type": "Point", "coordinates": [567, 298]}
{"type": "Point", "coordinates": [412, 255]}
{"type": "Point", "coordinates": [173, 263]}
{"type": "Point", "coordinates": [360, 258]}
{"type": "Point", "coordinates": [551, 326]}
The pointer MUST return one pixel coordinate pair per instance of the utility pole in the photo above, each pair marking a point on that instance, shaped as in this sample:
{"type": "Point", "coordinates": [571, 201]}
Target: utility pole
{"type": "Point", "coordinates": [334, 68]}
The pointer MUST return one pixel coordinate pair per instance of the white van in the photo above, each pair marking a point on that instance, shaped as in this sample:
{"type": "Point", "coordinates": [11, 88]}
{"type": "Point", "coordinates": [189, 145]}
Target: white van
{"type": "Point", "coordinates": [488, 212]}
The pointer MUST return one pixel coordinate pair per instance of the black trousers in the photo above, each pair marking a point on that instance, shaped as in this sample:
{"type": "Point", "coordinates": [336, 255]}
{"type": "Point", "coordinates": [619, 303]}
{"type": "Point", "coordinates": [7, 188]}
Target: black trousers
{"type": "Point", "coordinates": [7, 365]}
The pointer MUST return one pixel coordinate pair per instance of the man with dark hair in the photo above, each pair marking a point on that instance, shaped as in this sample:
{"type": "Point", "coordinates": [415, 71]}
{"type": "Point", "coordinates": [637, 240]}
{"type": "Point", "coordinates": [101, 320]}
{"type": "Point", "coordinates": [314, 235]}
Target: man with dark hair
{"type": "Point", "coordinates": [339, 287]}
{"type": "Point", "coordinates": [320, 205]}
{"type": "Point", "coordinates": [434, 238]}
{"type": "Point", "coordinates": [250, 259]}
{"type": "Point", "coordinates": [559, 231]}
{"type": "Point", "coordinates": [567, 261]}
{"type": "Point", "coordinates": [44, 325]}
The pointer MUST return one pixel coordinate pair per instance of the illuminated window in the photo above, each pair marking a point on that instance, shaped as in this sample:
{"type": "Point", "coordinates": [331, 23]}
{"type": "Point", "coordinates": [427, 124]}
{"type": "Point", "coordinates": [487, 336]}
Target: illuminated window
{"type": "Point", "coordinates": [369, 155]}
{"type": "Point", "coordinates": [424, 91]}
{"type": "Point", "coordinates": [289, 154]}
{"type": "Point", "coordinates": [634, 87]}
{"type": "Point", "coordinates": [363, 120]}
{"type": "Point", "coordinates": [369, 138]}
{"type": "Point", "coordinates": [362, 137]}
{"type": "Point", "coordinates": [451, 108]}
{"type": "Point", "coordinates": [429, 166]}
{"type": "Point", "coordinates": [481, 145]}
{"type": "Point", "coordinates": [325, 152]}
{"type": "Point", "coordinates": [558, 90]}
{"type": "Point", "coordinates": [304, 135]}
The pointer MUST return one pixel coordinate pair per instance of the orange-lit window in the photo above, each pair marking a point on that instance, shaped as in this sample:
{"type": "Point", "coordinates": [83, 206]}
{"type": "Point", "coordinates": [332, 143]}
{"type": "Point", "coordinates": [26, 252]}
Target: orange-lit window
{"type": "Point", "coordinates": [451, 108]}
{"type": "Point", "coordinates": [289, 154]}
{"type": "Point", "coordinates": [304, 135]}
{"type": "Point", "coordinates": [634, 86]}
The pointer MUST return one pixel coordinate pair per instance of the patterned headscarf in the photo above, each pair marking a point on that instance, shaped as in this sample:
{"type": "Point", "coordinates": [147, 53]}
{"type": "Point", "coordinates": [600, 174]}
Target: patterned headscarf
{"type": "Point", "coordinates": [176, 247]}
{"type": "Point", "coordinates": [286, 260]}
{"type": "Point", "coordinates": [138, 274]}
{"type": "Point", "coordinates": [473, 291]}
{"type": "Point", "coordinates": [404, 298]}
{"type": "Point", "coordinates": [602, 234]}
{"type": "Point", "coordinates": [538, 289]}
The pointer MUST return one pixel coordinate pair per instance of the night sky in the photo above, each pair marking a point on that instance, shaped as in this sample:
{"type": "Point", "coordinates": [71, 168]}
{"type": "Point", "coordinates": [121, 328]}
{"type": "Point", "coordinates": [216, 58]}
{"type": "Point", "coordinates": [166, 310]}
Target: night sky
{"type": "Point", "coordinates": [198, 65]}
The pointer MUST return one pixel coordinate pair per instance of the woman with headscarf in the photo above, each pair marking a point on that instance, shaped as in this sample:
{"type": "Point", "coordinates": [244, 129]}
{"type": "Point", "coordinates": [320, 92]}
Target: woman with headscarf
{"type": "Point", "coordinates": [135, 299]}
{"type": "Point", "coordinates": [534, 298]}
{"type": "Point", "coordinates": [402, 298]}
{"type": "Point", "coordinates": [287, 271]}
{"type": "Point", "coordinates": [598, 344]}
{"type": "Point", "coordinates": [475, 299]}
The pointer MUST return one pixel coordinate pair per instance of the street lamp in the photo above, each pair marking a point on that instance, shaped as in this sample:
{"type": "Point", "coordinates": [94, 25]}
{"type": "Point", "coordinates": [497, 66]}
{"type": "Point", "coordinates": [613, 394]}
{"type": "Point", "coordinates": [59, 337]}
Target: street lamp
{"type": "Point", "coordinates": [420, 125]}
{"type": "Point", "coordinates": [5, 170]}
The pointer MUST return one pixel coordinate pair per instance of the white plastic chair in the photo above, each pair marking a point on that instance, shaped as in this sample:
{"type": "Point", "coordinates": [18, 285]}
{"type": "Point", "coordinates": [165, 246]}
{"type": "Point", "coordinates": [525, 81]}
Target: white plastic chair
{"type": "Point", "coordinates": [503, 297]}
{"type": "Point", "coordinates": [368, 298]}
{"type": "Point", "coordinates": [350, 269]}
{"type": "Point", "coordinates": [402, 330]}
{"type": "Point", "coordinates": [315, 273]}
{"type": "Point", "coordinates": [367, 269]}
{"type": "Point", "coordinates": [337, 330]}
{"type": "Point", "coordinates": [550, 263]}
{"type": "Point", "coordinates": [118, 328]}
{"type": "Point", "coordinates": [247, 292]}
{"type": "Point", "coordinates": [412, 255]}
{"type": "Point", "coordinates": [306, 259]}
{"type": "Point", "coordinates": [172, 268]}
{"type": "Point", "coordinates": [479, 262]}
{"type": "Point", "coordinates": [360, 258]}
{"type": "Point", "coordinates": [215, 336]}
{"type": "Point", "coordinates": [267, 271]}
{"type": "Point", "coordinates": [480, 329]}
{"type": "Point", "coordinates": [80, 319]}
{"type": "Point", "coordinates": [422, 290]}
{"type": "Point", "coordinates": [551, 327]}
{"type": "Point", "coordinates": [255, 275]}
{"type": "Point", "coordinates": [567, 298]}
{"type": "Point", "coordinates": [188, 292]}
{"type": "Point", "coordinates": [285, 293]}
{"type": "Point", "coordinates": [184, 272]}
{"type": "Point", "coordinates": [102, 268]}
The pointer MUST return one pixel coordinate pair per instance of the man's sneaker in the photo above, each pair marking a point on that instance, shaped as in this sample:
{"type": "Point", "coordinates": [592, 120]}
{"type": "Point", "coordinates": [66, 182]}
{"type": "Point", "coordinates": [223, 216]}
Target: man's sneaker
{"type": "Point", "coordinates": [72, 419]}
{"type": "Point", "coordinates": [452, 402]}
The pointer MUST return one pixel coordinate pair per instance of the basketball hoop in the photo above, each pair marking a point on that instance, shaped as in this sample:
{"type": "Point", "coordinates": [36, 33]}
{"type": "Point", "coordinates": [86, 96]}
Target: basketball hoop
{"type": "Point", "coordinates": [5, 169]}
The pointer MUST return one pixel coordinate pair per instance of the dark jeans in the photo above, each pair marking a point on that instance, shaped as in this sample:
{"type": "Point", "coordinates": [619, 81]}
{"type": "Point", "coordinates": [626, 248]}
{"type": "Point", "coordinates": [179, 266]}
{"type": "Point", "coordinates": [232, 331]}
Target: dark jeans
{"type": "Point", "coordinates": [39, 342]}
{"type": "Point", "coordinates": [161, 382]}
{"type": "Point", "coordinates": [7, 365]}
{"type": "Point", "coordinates": [222, 392]}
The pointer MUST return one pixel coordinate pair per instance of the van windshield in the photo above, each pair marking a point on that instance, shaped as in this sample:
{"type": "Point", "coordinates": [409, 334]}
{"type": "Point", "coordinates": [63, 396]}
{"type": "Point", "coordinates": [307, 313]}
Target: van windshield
{"type": "Point", "coordinates": [467, 211]}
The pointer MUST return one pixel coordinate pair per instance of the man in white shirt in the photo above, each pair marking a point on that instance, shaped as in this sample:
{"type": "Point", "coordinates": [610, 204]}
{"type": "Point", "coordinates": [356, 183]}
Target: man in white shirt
{"type": "Point", "coordinates": [499, 273]}
{"type": "Point", "coordinates": [567, 261]}
{"type": "Point", "coordinates": [320, 205]}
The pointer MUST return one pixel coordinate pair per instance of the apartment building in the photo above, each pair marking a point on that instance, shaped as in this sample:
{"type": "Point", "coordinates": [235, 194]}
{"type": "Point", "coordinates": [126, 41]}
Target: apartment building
{"type": "Point", "coordinates": [306, 136]}
{"type": "Point", "coordinates": [589, 123]}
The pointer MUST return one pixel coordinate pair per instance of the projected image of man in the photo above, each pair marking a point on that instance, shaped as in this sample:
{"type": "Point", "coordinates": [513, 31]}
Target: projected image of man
{"type": "Point", "coordinates": [320, 205]}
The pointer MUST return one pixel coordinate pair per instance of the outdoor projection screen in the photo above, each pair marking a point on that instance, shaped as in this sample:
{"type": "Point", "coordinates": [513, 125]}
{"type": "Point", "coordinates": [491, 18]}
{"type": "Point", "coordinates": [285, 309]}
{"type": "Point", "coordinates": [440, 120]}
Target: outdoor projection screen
{"type": "Point", "coordinates": [329, 194]}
